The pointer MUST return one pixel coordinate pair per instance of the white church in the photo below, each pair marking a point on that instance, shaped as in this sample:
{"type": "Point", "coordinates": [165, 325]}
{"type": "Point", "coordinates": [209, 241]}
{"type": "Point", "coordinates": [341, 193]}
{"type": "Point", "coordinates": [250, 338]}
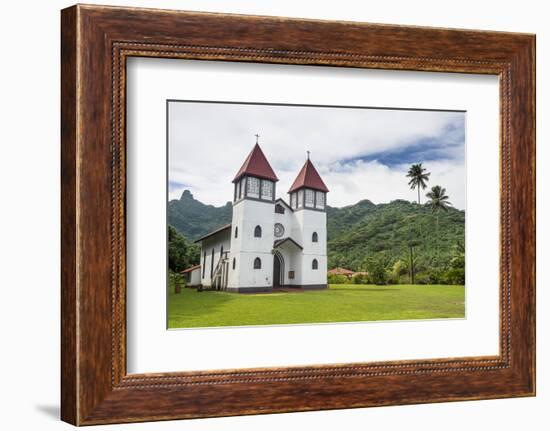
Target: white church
{"type": "Point", "coordinates": [269, 243]}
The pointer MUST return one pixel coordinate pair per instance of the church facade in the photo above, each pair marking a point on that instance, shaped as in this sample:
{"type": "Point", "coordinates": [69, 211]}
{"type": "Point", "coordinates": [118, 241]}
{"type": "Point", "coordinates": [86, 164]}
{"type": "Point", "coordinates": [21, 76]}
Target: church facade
{"type": "Point", "coordinates": [270, 243]}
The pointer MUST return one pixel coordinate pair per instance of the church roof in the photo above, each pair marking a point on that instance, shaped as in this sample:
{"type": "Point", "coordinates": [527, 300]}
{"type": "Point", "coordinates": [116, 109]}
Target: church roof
{"type": "Point", "coordinates": [185, 271]}
{"type": "Point", "coordinates": [310, 178]}
{"type": "Point", "coordinates": [214, 232]}
{"type": "Point", "coordinates": [281, 241]}
{"type": "Point", "coordinates": [282, 201]}
{"type": "Point", "coordinates": [256, 164]}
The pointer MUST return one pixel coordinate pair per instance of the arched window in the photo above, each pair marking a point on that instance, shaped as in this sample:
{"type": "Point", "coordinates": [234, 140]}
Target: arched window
{"type": "Point", "coordinates": [234, 263]}
{"type": "Point", "coordinates": [257, 232]}
{"type": "Point", "coordinates": [314, 264]}
{"type": "Point", "coordinates": [236, 231]}
{"type": "Point", "coordinates": [257, 263]}
{"type": "Point", "coordinates": [314, 237]}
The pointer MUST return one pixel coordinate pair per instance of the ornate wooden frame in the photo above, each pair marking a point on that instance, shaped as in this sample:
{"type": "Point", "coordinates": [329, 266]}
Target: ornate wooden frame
{"type": "Point", "coordinates": [95, 42]}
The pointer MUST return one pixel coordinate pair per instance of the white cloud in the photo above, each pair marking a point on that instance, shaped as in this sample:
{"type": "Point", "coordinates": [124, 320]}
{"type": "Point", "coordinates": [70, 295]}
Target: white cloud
{"type": "Point", "coordinates": [208, 143]}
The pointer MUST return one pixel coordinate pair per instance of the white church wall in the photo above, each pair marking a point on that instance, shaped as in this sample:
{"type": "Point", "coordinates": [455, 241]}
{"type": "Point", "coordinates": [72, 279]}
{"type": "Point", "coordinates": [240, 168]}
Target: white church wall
{"type": "Point", "coordinates": [215, 242]}
{"type": "Point", "coordinates": [248, 277]}
{"type": "Point", "coordinates": [310, 221]}
{"type": "Point", "coordinates": [247, 214]}
{"type": "Point", "coordinates": [314, 277]}
{"type": "Point", "coordinates": [195, 277]}
{"type": "Point", "coordinates": [296, 227]}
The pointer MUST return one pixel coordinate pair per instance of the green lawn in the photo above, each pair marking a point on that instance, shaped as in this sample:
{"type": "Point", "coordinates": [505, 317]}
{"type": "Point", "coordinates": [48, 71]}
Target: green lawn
{"type": "Point", "coordinates": [339, 303]}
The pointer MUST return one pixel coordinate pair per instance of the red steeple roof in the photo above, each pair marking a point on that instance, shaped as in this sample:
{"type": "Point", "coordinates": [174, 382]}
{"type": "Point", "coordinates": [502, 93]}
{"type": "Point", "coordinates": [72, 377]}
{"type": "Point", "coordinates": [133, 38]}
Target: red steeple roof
{"type": "Point", "coordinates": [256, 165]}
{"type": "Point", "coordinates": [310, 178]}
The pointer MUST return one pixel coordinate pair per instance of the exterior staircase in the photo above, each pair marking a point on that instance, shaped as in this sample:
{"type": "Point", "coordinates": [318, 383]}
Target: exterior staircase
{"type": "Point", "coordinates": [220, 275]}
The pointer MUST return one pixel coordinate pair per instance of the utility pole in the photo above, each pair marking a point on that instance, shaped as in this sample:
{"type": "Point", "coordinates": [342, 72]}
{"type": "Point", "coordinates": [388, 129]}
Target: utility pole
{"type": "Point", "coordinates": [411, 263]}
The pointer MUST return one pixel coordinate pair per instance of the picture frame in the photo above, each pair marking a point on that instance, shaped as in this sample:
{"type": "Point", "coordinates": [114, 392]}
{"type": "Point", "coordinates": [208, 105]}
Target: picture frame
{"type": "Point", "coordinates": [96, 41]}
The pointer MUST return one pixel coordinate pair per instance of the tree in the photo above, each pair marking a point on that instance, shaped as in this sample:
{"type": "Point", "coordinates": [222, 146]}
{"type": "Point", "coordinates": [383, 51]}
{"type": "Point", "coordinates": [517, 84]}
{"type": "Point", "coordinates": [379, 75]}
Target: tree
{"type": "Point", "coordinates": [376, 267]}
{"type": "Point", "coordinates": [418, 178]}
{"type": "Point", "coordinates": [438, 201]}
{"type": "Point", "coordinates": [181, 253]}
{"type": "Point", "coordinates": [456, 273]}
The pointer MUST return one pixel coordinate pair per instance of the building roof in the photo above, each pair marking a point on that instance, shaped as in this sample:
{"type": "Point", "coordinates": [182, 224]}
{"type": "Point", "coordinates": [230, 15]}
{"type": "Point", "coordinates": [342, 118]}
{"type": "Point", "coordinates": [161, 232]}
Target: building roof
{"type": "Point", "coordinates": [308, 177]}
{"type": "Point", "coordinates": [340, 271]}
{"type": "Point", "coordinates": [283, 202]}
{"type": "Point", "coordinates": [214, 232]}
{"type": "Point", "coordinates": [256, 165]}
{"type": "Point", "coordinates": [281, 241]}
{"type": "Point", "coordinates": [185, 271]}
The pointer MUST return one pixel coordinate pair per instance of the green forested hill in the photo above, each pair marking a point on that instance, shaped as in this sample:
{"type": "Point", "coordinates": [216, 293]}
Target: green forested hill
{"type": "Point", "coordinates": [388, 231]}
{"type": "Point", "coordinates": [358, 234]}
{"type": "Point", "coordinates": [193, 219]}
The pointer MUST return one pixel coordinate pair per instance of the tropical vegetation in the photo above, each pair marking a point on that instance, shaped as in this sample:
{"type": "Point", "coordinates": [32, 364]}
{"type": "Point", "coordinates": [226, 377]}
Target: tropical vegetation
{"type": "Point", "coordinates": [399, 242]}
{"type": "Point", "coordinates": [418, 178]}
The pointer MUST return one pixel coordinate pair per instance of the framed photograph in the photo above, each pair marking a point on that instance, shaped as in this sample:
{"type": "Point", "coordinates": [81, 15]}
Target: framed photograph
{"type": "Point", "coordinates": [317, 215]}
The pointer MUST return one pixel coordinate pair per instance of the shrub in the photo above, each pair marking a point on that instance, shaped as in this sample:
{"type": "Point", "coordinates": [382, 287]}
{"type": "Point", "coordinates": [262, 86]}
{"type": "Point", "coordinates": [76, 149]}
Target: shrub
{"type": "Point", "coordinates": [399, 268]}
{"type": "Point", "coordinates": [391, 278]}
{"type": "Point", "coordinates": [377, 270]}
{"type": "Point", "coordinates": [455, 276]}
{"type": "Point", "coordinates": [360, 279]}
{"type": "Point", "coordinates": [337, 279]}
{"type": "Point", "coordinates": [422, 278]}
{"type": "Point", "coordinates": [436, 277]}
{"type": "Point", "coordinates": [176, 281]}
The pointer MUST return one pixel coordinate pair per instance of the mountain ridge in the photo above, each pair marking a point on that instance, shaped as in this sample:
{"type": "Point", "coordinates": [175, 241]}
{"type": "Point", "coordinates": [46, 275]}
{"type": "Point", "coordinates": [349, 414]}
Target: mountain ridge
{"type": "Point", "coordinates": [355, 233]}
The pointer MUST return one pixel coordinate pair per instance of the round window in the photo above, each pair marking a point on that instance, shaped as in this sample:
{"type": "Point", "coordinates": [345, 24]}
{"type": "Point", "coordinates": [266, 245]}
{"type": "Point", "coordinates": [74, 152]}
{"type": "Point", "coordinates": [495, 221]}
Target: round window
{"type": "Point", "coordinates": [279, 230]}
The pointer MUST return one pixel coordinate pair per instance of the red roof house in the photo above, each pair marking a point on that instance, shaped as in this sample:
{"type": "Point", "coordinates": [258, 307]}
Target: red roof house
{"type": "Point", "coordinates": [341, 271]}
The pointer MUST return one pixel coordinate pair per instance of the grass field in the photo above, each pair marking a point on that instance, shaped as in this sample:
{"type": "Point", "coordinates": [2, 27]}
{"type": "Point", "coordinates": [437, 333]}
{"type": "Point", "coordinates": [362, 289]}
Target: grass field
{"type": "Point", "coordinates": [339, 303]}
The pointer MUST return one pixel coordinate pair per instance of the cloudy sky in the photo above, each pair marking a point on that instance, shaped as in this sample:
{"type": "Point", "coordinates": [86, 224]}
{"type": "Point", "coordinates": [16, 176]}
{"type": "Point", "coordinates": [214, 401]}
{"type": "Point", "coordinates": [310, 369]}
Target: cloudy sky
{"type": "Point", "coordinates": [360, 153]}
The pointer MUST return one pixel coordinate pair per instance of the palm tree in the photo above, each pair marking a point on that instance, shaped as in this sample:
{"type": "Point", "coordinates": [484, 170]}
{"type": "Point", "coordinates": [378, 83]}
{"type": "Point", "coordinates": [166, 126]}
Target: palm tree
{"type": "Point", "coordinates": [438, 201]}
{"type": "Point", "coordinates": [418, 178]}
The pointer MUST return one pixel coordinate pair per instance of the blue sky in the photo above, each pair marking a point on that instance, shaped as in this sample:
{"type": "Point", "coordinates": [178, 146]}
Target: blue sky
{"type": "Point", "coordinates": [447, 146]}
{"type": "Point", "coordinates": [360, 153]}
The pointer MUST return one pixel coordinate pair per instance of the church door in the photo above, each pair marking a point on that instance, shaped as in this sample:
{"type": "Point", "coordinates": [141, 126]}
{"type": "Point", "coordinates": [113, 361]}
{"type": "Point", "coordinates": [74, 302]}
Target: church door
{"type": "Point", "coordinates": [277, 264]}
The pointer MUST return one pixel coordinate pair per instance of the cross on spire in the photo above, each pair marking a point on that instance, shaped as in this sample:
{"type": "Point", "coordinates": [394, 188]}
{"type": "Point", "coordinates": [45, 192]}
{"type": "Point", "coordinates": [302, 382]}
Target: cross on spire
{"type": "Point", "coordinates": [257, 136]}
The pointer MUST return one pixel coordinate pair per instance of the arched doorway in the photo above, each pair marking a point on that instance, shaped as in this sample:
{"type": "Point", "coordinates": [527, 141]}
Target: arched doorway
{"type": "Point", "coordinates": [278, 270]}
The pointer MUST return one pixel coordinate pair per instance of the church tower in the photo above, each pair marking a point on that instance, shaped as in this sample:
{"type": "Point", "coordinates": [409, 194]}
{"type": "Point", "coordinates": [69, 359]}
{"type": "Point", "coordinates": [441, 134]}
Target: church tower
{"type": "Point", "coordinates": [308, 201]}
{"type": "Point", "coordinates": [251, 259]}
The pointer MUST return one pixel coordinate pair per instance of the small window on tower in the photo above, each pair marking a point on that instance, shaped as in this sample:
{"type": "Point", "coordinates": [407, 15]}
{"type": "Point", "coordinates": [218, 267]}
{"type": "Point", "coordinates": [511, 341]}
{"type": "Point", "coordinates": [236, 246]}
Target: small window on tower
{"type": "Point", "coordinates": [257, 232]}
{"type": "Point", "coordinates": [300, 203]}
{"type": "Point", "coordinates": [234, 261]}
{"type": "Point", "coordinates": [267, 190]}
{"type": "Point", "coordinates": [253, 190]}
{"type": "Point", "coordinates": [314, 237]}
{"type": "Point", "coordinates": [310, 197]}
{"type": "Point", "coordinates": [320, 201]}
{"type": "Point", "coordinates": [242, 187]}
{"type": "Point", "coordinates": [257, 263]}
{"type": "Point", "coordinates": [314, 264]}
{"type": "Point", "coordinates": [236, 231]}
